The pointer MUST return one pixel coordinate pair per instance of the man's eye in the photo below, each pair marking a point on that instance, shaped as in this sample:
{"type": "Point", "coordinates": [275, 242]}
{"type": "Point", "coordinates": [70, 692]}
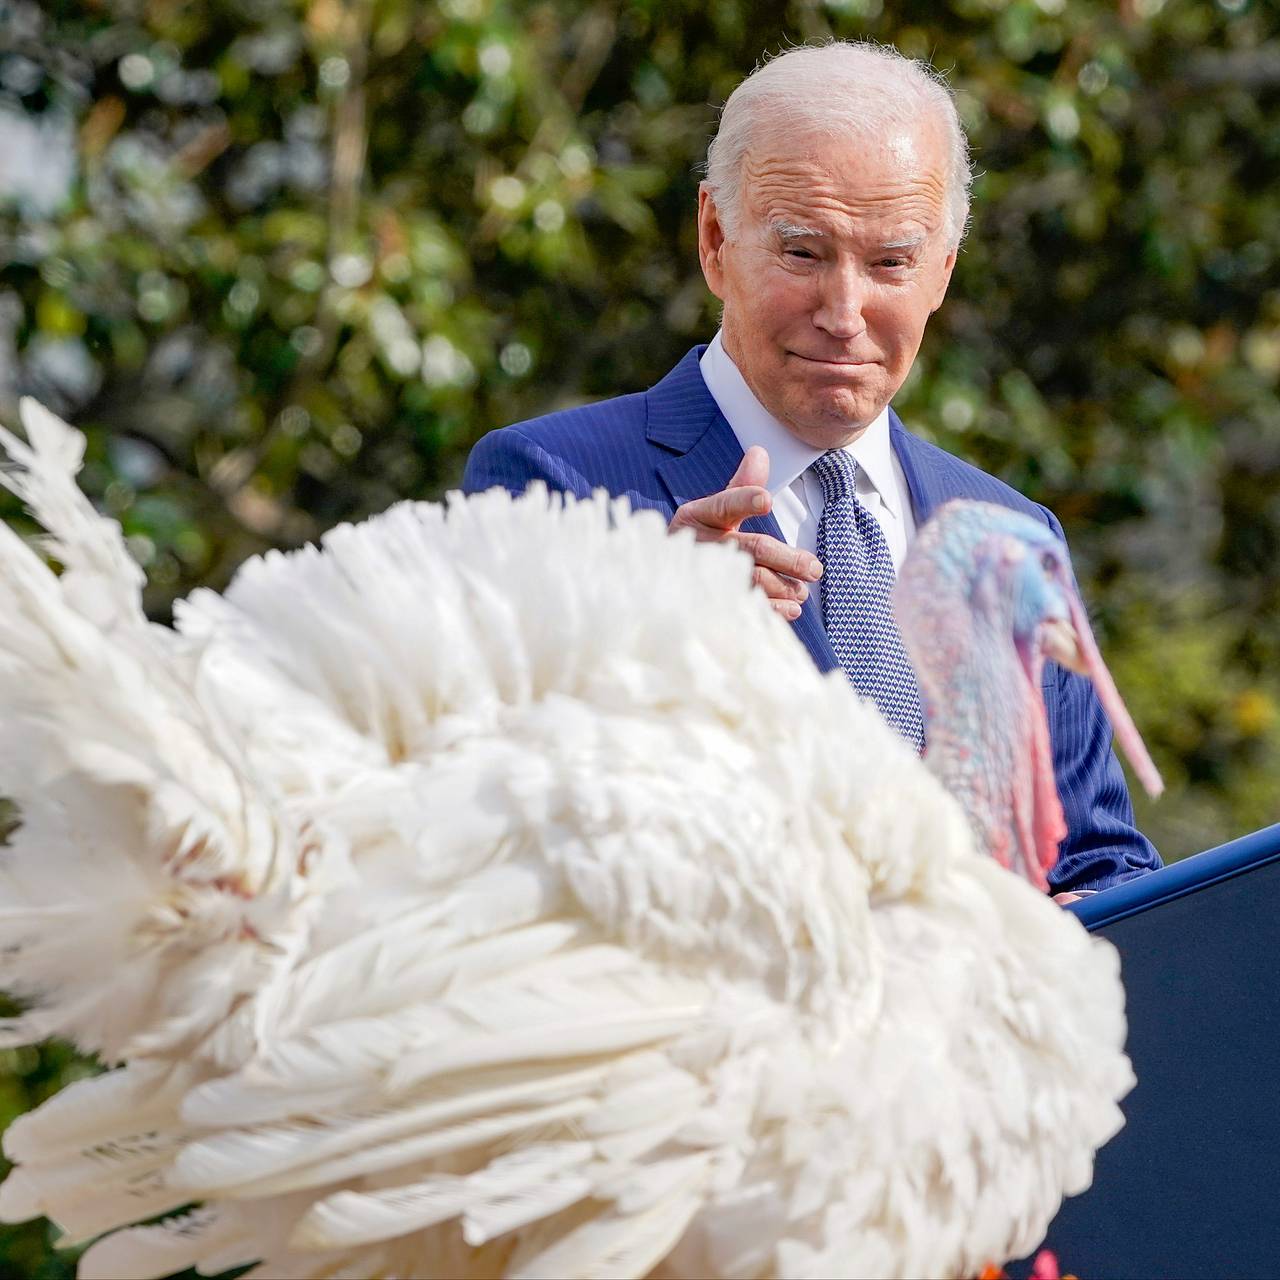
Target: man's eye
{"type": "Point", "coordinates": [803, 254]}
{"type": "Point", "coordinates": [894, 262]}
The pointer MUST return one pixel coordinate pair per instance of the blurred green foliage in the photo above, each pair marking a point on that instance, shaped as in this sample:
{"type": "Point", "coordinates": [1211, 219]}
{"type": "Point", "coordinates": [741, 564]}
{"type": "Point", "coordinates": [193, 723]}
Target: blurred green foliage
{"type": "Point", "coordinates": [285, 260]}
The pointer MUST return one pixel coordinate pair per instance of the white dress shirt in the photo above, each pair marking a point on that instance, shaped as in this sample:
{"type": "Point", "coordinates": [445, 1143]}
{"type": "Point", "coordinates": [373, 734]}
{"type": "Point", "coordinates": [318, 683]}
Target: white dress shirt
{"type": "Point", "coordinates": [797, 494]}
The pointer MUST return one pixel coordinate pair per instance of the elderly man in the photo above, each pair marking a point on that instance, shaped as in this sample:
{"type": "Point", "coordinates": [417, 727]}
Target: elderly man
{"type": "Point", "coordinates": [828, 226]}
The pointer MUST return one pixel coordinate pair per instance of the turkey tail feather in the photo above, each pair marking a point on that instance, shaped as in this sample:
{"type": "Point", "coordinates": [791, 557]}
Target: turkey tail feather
{"type": "Point", "coordinates": [100, 579]}
{"type": "Point", "coordinates": [173, 874]}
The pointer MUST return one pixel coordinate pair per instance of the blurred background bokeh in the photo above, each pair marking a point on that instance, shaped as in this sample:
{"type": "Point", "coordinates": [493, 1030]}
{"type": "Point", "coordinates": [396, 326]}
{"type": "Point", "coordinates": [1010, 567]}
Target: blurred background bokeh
{"type": "Point", "coordinates": [284, 261]}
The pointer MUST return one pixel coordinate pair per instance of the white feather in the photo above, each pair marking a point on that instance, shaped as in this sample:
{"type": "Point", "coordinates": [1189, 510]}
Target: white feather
{"type": "Point", "coordinates": [100, 580]}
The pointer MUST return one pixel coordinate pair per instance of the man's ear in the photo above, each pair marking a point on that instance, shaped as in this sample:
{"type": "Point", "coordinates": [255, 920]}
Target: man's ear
{"type": "Point", "coordinates": [710, 241]}
{"type": "Point", "coordinates": [948, 267]}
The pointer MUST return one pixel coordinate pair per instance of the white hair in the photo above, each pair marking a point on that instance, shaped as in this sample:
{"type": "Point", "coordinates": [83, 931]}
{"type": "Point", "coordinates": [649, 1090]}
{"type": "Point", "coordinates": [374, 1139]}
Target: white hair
{"type": "Point", "coordinates": [861, 87]}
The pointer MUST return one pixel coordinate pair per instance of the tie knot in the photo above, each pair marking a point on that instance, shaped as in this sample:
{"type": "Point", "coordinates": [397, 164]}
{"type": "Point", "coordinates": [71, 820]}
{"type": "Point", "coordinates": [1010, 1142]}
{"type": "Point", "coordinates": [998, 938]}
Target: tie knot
{"type": "Point", "coordinates": [837, 472]}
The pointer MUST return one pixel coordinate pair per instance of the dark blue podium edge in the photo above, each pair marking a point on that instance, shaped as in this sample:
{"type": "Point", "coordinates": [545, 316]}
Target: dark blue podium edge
{"type": "Point", "coordinates": [1181, 878]}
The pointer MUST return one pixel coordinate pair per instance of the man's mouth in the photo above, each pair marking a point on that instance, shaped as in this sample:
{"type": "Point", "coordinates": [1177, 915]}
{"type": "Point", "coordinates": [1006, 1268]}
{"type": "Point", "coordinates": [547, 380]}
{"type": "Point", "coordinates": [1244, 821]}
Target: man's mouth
{"type": "Point", "coordinates": [835, 362]}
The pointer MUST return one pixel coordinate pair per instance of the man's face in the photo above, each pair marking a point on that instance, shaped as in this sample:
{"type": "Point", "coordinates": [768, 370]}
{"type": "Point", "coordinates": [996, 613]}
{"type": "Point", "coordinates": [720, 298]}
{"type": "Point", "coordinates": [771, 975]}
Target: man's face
{"type": "Point", "coordinates": [840, 257]}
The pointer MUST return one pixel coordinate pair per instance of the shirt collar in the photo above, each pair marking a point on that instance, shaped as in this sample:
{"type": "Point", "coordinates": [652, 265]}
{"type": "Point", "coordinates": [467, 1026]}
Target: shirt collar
{"type": "Point", "coordinates": [873, 451]}
{"type": "Point", "coordinates": [790, 457]}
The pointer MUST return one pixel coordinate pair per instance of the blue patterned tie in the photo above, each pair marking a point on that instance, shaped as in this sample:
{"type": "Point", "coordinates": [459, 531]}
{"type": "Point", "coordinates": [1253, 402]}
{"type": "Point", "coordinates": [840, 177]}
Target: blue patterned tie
{"type": "Point", "coordinates": [857, 610]}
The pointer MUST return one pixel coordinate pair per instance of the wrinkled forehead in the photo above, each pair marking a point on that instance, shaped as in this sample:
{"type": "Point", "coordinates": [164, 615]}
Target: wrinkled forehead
{"type": "Point", "coordinates": [821, 175]}
{"type": "Point", "coordinates": [835, 146]}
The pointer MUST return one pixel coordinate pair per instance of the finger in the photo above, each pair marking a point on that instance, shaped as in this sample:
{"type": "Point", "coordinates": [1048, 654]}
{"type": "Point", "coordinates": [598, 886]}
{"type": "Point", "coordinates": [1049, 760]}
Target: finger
{"type": "Point", "coordinates": [722, 512]}
{"type": "Point", "coordinates": [778, 587]}
{"type": "Point", "coordinates": [744, 496]}
{"type": "Point", "coordinates": [770, 553]}
{"type": "Point", "coordinates": [752, 470]}
{"type": "Point", "coordinates": [787, 608]}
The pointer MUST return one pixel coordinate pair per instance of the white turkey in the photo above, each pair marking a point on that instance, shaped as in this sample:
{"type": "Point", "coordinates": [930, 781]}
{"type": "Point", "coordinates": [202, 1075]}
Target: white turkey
{"type": "Point", "coordinates": [499, 889]}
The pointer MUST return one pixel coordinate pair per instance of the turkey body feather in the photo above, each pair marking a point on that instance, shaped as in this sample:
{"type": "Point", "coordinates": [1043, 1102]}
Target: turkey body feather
{"type": "Point", "coordinates": [499, 889]}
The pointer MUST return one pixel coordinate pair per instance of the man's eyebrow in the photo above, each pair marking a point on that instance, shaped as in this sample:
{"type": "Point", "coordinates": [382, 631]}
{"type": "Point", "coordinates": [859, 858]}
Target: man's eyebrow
{"type": "Point", "coordinates": [792, 231]}
{"type": "Point", "coordinates": [788, 231]}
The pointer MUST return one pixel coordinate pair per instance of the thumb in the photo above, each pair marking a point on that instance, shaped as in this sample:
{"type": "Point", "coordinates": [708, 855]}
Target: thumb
{"type": "Point", "coordinates": [752, 470]}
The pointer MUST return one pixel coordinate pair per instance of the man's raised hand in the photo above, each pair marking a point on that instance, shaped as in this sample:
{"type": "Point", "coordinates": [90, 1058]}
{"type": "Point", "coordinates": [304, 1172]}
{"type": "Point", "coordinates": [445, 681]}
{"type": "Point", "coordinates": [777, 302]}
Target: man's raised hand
{"type": "Point", "coordinates": [781, 572]}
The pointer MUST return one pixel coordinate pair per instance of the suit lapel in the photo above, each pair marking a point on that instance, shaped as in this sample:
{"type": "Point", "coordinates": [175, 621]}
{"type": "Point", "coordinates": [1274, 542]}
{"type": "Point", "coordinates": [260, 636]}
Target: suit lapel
{"type": "Point", "coordinates": [929, 489]}
{"type": "Point", "coordinates": [683, 417]}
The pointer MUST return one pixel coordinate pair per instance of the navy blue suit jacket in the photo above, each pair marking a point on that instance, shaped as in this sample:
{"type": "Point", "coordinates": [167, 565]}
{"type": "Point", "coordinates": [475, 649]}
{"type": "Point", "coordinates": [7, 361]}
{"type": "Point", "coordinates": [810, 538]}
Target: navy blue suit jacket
{"type": "Point", "coordinates": [668, 445]}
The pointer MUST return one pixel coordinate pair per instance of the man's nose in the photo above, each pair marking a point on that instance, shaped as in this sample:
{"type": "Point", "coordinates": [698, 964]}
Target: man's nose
{"type": "Point", "coordinates": [840, 303]}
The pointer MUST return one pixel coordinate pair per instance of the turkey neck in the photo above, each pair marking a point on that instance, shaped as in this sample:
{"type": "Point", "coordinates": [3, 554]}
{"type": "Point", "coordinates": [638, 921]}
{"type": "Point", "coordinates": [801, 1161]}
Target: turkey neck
{"type": "Point", "coordinates": [987, 740]}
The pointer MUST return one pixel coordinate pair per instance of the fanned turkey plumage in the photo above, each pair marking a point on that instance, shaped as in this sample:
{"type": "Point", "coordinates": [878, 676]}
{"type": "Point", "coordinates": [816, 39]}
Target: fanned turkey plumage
{"type": "Point", "coordinates": [499, 889]}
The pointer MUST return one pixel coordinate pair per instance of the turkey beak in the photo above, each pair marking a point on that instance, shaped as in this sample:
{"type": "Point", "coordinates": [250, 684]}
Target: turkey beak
{"type": "Point", "coordinates": [1058, 640]}
{"type": "Point", "coordinates": [1071, 643]}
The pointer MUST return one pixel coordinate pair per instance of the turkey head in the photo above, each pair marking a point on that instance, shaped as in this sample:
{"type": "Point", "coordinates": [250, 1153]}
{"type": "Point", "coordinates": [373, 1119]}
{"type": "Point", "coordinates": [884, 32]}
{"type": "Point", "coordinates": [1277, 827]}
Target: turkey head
{"type": "Point", "coordinates": [985, 597]}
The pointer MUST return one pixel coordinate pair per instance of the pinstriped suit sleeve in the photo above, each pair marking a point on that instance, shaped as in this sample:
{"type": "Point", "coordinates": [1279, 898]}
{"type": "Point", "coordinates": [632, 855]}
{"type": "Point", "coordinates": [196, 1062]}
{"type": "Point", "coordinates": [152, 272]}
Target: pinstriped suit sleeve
{"type": "Point", "coordinates": [1103, 847]}
{"type": "Point", "coordinates": [508, 459]}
